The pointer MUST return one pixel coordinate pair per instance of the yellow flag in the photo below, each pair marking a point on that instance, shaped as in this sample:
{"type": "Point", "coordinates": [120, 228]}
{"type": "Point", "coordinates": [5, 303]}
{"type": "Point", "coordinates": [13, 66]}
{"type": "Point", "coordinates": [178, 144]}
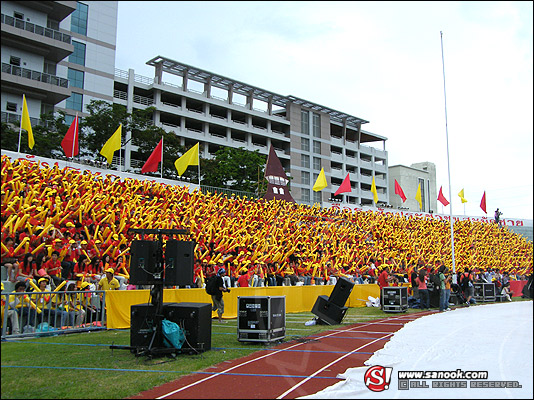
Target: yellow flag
{"type": "Point", "coordinates": [25, 122]}
{"type": "Point", "coordinates": [113, 144]}
{"type": "Point", "coordinates": [373, 190]}
{"type": "Point", "coordinates": [418, 197]}
{"type": "Point", "coordinates": [320, 183]}
{"type": "Point", "coordinates": [189, 158]}
{"type": "Point", "coordinates": [461, 194]}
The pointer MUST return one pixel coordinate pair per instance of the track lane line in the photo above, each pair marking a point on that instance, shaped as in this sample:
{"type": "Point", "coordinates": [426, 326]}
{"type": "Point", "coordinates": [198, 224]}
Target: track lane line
{"type": "Point", "coordinates": [272, 354]}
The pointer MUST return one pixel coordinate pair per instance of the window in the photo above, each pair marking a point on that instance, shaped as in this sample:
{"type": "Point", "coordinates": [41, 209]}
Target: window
{"type": "Point", "coordinates": [75, 101]}
{"type": "Point", "coordinates": [75, 78]}
{"type": "Point", "coordinates": [317, 163]}
{"type": "Point", "coordinates": [69, 119]}
{"type": "Point", "coordinates": [78, 57]}
{"type": "Point", "coordinates": [49, 68]}
{"type": "Point", "coordinates": [316, 125]}
{"type": "Point", "coordinates": [422, 183]}
{"type": "Point", "coordinates": [305, 122]}
{"type": "Point", "coordinates": [306, 195]}
{"type": "Point", "coordinates": [11, 106]}
{"type": "Point", "coordinates": [317, 198]}
{"type": "Point", "coordinates": [305, 177]}
{"type": "Point", "coordinates": [305, 161]}
{"type": "Point", "coordinates": [14, 61]}
{"type": "Point", "coordinates": [316, 147]}
{"type": "Point", "coordinates": [52, 24]}
{"type": "Point", "coordinates": [305, 144]}
{"type": "Point", "coordinates": [18, 15]}
{"type": "Point", "coordinates": [78, 19]}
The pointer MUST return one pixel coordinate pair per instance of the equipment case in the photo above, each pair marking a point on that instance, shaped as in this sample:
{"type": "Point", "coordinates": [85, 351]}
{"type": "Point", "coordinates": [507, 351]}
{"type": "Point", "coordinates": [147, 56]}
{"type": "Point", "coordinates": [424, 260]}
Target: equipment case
{"type": "Point", "coordinates": [394, 299]}
{"type": "Point", "coordinates": [261, 318]}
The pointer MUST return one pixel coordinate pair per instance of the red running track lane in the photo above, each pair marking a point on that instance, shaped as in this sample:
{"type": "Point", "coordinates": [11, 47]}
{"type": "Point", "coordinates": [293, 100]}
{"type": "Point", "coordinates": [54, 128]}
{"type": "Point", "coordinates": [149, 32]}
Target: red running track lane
{"type": "Point", "coordinates": [289, 370]}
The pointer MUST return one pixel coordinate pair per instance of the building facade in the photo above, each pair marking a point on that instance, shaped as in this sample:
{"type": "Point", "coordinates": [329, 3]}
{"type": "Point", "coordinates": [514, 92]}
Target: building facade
{"type": "Point", "coordinates": [409, 178]}
{"type": "Point", "coordinates": [218, 111]}
{"type": "Point", "coordinates": [59, 54]}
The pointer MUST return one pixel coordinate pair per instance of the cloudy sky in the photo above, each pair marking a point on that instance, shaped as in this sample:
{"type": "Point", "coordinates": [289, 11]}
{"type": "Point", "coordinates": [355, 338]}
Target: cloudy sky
{"type": "Point", "coordinates": [379, 61]}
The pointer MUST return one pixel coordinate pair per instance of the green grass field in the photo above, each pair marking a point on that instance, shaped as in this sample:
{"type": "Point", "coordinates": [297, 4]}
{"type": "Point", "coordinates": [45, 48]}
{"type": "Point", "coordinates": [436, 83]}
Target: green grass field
{"type": "Point", "coordinates": [83, 366]}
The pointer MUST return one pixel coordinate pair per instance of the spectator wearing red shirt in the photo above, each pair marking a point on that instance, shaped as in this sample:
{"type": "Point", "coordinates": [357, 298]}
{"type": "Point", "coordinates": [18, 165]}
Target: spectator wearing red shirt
{"type": "Point", "coordinates": [53, 268]}
{"type": "Point", "coordinates": [243, 280]}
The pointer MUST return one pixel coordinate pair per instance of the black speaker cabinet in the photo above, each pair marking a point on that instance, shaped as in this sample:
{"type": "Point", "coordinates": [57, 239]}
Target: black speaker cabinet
{"type": "Point", "coordinates": [195, 320]}
{"type": "Point", "coordinates": [143, 325]}
{"type": "Point", "coordinates": [143, 262]}
{"type": "Point", "coordinates": [328, 312]}
{"type": "Point", "coordinates": [341, 292]}
{"type": "Point", "coordinates": [179, 257]}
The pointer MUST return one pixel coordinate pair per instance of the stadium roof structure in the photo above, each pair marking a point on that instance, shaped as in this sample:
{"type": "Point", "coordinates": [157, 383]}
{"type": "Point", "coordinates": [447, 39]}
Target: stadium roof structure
{"type": "Point", "coordinates": [223, 82]}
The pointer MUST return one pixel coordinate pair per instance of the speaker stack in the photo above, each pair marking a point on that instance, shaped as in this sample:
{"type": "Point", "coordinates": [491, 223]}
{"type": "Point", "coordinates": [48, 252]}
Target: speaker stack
{"type": "Point", "coordinates": [193, 318]}
{"type": "Point", "coordinates": [331, 310]}
{"type": "Point", "coordinates": [179, 263]}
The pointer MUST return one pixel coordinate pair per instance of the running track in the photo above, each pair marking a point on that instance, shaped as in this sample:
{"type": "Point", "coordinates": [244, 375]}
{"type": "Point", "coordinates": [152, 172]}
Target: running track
{"type": "Point", "coordinates": [289, 370]}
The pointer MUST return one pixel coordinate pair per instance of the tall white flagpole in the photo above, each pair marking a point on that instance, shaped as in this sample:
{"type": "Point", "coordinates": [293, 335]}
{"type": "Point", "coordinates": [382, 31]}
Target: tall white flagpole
{"type": "Point", "coordinates": [120, 151]}
{"type": "Point", "coordinates": [199, 168]}
{"type": "Point", "coordinates": [75, 132]}
{"type": "Point", "coordinates": [20, 128]}
{"type": "Point", "coordinates": [454, 278]}
{"type": "Point", "coordinates": [161, 174]}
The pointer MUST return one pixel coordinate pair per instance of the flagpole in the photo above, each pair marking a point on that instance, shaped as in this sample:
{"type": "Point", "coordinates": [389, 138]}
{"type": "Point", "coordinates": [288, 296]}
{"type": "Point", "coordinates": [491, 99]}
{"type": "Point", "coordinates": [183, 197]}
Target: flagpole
{"type": "Point", "coordinates": [120, 158]}
{"type": "Point", "coordinates": [20, 128]}
{"type": "Point", "coordinates": [448, 162]}
{"type": "Point", "coordinates": [74, 136]}
{"type": "Point", "coordinates": [161, 175]}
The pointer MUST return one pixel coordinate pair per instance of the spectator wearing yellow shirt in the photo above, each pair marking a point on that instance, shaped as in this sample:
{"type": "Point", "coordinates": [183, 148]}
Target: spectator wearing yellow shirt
{"type": "Point", "coordinates": [109, 282]}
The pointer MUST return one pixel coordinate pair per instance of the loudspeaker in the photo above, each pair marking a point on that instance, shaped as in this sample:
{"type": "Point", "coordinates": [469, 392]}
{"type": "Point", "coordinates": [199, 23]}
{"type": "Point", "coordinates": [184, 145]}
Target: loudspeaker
{"type": "Point", "coordinates": [329, 312]}
{"type": "Point", "coordinates": [195, 320]}
{"type": "Point", "coordinates": [179, 257]}
{"type": "Point", "coordinates": [341, 292]}
{"type": "Point", "coordinates": [143, 262]}
{"type": "Point", "coordinates": [143, 325]}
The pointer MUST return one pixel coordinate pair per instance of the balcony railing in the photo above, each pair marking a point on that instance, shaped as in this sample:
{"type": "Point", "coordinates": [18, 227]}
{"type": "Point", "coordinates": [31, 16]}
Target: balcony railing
{"type": "Point", "coordinates": [146, 101]}
{"type": "Point", "coordinates": [119, 94]}
{"type": "Point", "coordinates": [37, 29]}
{"type": "Point", "coordinates": [35, 75]}
{"type": "Point", "coordinates": [13, 118]}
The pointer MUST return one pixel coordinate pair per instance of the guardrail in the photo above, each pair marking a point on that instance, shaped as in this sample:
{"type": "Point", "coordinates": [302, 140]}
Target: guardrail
{"type": "Point", "coordinates": [37, 29]}
{"type": "Point", "coordinates": [35, 75]}
{"type": "Point", "coordinates": [59, 313]}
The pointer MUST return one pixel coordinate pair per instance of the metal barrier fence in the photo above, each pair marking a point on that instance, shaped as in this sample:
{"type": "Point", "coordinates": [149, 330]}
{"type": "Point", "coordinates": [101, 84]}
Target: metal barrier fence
{"type": "Point", "coordinates": [30, 314]}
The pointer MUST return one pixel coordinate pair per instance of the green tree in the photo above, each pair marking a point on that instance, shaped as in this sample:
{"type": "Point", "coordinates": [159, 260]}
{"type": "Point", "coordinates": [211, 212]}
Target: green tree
{"type": "Point", "coordinates": [146, 136]}
{"type": "Point", "coordinates": [236, 169]}
{"type": "Point", "coordinates": [47, 136]}
{"type": "Point", "coordinates": [103, 120]}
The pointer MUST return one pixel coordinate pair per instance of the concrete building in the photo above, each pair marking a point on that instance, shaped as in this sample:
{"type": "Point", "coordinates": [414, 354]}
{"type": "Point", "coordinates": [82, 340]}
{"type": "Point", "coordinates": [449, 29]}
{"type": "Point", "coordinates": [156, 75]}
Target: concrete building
{"type": "Point", "coordinates": [60, 54]}
{"type": "Point", "coordinates": [409, 178]}
{"type": "Point", "coordinates": [217, 111]}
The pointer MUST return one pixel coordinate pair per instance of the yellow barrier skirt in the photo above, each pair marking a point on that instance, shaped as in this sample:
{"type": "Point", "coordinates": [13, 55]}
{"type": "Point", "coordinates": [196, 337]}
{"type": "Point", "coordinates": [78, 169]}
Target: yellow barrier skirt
{"type": "Point", "coordinates": [298, 299]}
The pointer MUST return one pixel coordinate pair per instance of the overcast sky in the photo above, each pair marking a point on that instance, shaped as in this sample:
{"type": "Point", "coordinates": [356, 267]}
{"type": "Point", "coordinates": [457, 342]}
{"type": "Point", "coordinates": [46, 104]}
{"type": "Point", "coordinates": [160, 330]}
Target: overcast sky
{"type": "Point", "coordinates": [379, 61]}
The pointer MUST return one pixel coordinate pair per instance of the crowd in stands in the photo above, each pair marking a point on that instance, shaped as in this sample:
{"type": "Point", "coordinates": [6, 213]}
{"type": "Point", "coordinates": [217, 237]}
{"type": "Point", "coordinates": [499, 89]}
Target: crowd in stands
{"type": "Point", "coordinates": [66, 224]}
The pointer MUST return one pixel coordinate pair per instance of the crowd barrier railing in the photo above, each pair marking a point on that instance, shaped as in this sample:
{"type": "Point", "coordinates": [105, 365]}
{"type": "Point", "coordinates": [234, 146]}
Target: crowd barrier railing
{"type": "Point", "coordinates": [61, 312]}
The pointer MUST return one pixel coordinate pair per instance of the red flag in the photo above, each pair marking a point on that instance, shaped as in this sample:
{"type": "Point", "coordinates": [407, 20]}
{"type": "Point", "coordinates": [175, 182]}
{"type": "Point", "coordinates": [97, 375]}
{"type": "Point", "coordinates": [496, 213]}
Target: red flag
{"type": "Point", "coordinates": [345, 186]}
{"type": "Point", "coordinates": [70, 138]}
{"type": "Point", "coordinates": [442, 198]}
{"type": "Point", "coordinates": [151, 164]}
{"type": "Point", "coordinates": [483, 202]}
{"type": "Point", "coordinates": [398, 190]}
